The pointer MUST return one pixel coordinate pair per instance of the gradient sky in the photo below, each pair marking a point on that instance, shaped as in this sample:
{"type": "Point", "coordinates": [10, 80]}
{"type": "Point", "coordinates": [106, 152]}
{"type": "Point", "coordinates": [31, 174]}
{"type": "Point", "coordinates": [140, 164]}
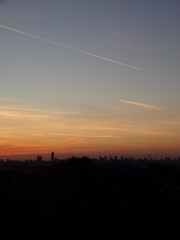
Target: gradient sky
{"type": "Point", "coordinates": [58, 99]}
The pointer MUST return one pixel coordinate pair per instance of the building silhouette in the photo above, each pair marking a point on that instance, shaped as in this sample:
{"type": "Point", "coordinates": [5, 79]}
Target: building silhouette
{"type": "Point", "coordinates": [39, 158]}
{"type": "Point", "coordinates": [52, 156]}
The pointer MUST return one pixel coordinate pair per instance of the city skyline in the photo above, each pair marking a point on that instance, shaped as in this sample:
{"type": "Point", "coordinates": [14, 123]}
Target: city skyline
{"type": "Point", "coordinates": [89, 78]}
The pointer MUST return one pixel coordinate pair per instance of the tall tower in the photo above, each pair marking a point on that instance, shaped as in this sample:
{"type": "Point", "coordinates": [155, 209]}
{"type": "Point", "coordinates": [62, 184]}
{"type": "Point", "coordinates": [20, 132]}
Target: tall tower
{"type": "Point", "coordinates": [52, 156]}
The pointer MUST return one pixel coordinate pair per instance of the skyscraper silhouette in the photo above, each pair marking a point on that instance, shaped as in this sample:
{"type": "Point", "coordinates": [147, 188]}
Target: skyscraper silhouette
{"type": "Point", "coordinates": [52, 156]}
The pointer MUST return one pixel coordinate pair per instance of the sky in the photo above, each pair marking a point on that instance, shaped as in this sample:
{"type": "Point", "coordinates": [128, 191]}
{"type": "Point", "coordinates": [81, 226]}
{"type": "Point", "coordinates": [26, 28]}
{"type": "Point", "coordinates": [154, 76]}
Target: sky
{"type": "Point", "coordinates": [89, 78]}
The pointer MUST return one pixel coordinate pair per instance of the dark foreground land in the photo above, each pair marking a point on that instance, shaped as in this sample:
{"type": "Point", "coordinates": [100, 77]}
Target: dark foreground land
{"type": "Point", "coordinates": [83, 198]}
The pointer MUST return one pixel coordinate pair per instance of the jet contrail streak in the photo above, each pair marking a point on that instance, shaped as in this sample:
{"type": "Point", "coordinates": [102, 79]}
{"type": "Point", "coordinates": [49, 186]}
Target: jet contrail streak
{"type": "Point", "coordinates": [144, 105]}
{"type": "Point", "coordinates": [69, 47]}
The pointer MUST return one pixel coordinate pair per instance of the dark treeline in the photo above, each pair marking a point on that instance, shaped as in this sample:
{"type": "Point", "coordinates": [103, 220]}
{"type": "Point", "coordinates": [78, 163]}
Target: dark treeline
{"type": "Point", "coordinates": [80, 198]}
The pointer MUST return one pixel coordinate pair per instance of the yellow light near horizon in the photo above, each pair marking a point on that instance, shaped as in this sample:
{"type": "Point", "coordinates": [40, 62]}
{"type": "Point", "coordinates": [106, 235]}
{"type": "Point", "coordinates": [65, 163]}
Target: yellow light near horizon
{"type": "Point", "coordinates": [31, 131]}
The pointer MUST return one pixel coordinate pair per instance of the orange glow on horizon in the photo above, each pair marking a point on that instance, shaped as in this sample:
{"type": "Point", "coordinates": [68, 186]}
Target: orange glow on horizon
{"type": "Point", "coordinates": [31, 131]}
{"type": "Point", "coordinates": [91, 150]}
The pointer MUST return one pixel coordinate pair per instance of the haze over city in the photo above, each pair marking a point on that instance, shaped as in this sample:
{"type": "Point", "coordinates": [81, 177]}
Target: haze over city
{"type": "Point", "coordinates": [89, 78]}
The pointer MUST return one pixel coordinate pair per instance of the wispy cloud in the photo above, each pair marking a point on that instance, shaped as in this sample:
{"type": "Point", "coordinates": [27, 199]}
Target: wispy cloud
{"type": "Point", "coordinates": [5, 99]}
{"type": "Point", "coordinates": [144, 105]}
{"type": "Point", "coordinates": [161, 133]}
{"type": "Point", "coordinates": [71, 48]}
{"type": "Point", "coordinates": [20, 113]}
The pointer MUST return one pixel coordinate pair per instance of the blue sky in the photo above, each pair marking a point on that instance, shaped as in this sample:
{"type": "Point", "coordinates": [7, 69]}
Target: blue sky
{"type": "Point", "coordinates": [41, 76]}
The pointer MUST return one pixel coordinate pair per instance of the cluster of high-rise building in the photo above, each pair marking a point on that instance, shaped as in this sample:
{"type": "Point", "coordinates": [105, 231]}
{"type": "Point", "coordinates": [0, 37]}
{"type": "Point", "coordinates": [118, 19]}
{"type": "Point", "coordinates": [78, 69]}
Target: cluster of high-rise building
{"type": "Point", "coordinates": [40, 158]}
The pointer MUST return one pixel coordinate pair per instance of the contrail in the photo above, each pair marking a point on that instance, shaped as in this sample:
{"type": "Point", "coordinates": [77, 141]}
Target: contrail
{"type": "Point", "coordinates": [69, 47]}
{"type": "Point", "coordinates": [144, 105]}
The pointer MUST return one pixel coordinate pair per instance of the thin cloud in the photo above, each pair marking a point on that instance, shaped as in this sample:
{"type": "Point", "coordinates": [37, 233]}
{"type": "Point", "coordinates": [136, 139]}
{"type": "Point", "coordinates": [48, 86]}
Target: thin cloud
{"type": "Point", "coordinates": [5, 99]}
{"type": "Point", "coordinates": [69, 47]}
{"type": "Point", "coordinates": [144, 105]}
{"type": "Point", "coordinates": [161, 133]}
{"type": "Point", "coordinates": [19, 112]}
